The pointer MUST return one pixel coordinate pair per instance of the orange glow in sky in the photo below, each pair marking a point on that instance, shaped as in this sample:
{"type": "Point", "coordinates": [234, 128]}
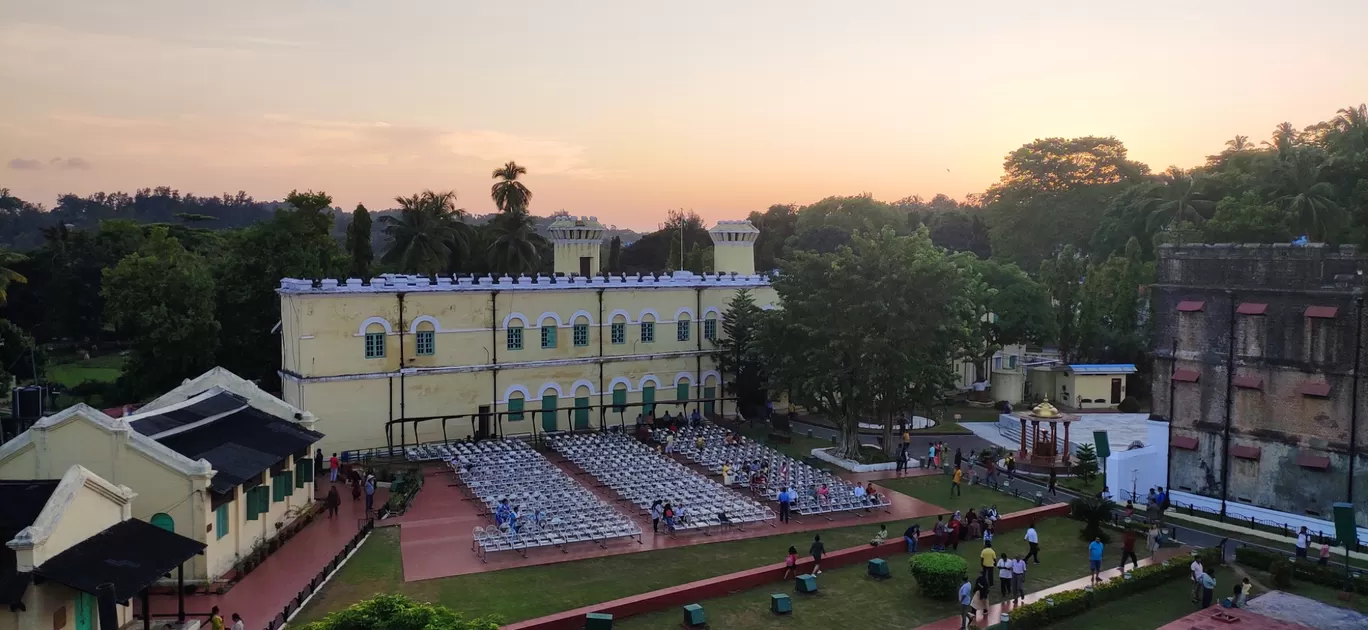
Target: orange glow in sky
{"type": "Point", "coordinates": [624, 109]}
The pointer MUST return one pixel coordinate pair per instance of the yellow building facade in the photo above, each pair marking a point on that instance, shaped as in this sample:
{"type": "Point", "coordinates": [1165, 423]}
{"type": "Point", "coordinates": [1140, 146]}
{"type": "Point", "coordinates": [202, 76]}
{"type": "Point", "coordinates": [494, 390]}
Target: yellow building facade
{"type": "Point", "coordinates": [518, 355]}
{"type": "Point", "coordinates": [185, 495]}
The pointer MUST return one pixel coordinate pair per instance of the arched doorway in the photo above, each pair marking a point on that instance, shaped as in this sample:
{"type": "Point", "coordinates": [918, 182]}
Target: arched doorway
{"type": "Point", "coordinates": [164, 521]}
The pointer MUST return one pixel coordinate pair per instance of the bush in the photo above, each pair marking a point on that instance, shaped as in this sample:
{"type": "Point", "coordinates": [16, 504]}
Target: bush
{"type": "Point", "coordinates": [1331, 577]}
{"type": "Point", "coordinates": [1085, 463]}
{"type": "Point", "coordinates": [938, 575]}
{"type": "Point", "coordinates": [1129, 405]}
{"type": "Point", "coordinates": [1282, 573]}
{"type": "Point", "coordinates": [1060, 606]}
{"type": "Point", "coordinates": [1093, 511]}
{"type": "Point", "coordinates": [396, 612]}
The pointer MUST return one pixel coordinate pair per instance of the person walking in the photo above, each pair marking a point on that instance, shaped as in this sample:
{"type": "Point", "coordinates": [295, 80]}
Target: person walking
{"type": "Point", "coordinates": [1128, 550]}
{"type": "Point", "coordinates": [332, 502]}
{"type": "Point", "coordinates": [1197, 571]}
{"type": "Point", "coordinates": [959, 457]}
{"type": "Point", "coordinates": [966, 599]}
{"type": "Point", "coordinates": [1004, 566]}
{"type": "Point", "coordinates": [1019, 578]}
{"type": "Point", "coordinates": [817, 550]}
{"type": "Point", "coordinates": [1303, 540]}
{"type": "Point", "coordinates": [987, 562]}
{"type": "Point", "coordinates": [657, 511]}
{"type": "Point", "coordinates": [370, 493]}
{"type": "Point", "coordinates": [1011, 467]}
{"type": "Point", "coordinates": [791, 563]}
{"type": "Point", "coordinates": [785, 504]}
{"type": "Point", "coordinates": [1053, 479]}
{"type": "Point", "coordinates": [955, 481]}
{"type": "Point", "coordinates": [334, 466]}
{"type": "Point", "coordinates": [1033, 539]}
{"type": "Point", "coordinates": [1095, 560]}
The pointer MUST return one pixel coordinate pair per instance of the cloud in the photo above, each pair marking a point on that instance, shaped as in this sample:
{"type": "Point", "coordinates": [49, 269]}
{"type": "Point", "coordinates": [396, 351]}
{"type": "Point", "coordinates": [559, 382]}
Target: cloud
{"type": "Point", "coordinates": [542, 156]}
{"type": "Point", "coordinates": [70, 164]}
{"type": "Point", "coordinates": [22, 164]}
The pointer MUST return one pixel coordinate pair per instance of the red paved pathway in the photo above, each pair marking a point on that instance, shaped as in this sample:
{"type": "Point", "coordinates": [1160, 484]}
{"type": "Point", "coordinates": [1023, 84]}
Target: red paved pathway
{"type": "Point", "coordinates": [996, 608]}
{"type": "Point", "coordinates": [435, 534]}
{"type": "Point", "coordinates": [266, 590]}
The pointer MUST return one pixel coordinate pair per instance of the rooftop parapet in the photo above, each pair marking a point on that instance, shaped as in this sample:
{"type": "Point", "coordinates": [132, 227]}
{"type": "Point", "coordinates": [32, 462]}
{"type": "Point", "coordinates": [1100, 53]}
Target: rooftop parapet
{"type": "Point", "coordinates": [394, 283]}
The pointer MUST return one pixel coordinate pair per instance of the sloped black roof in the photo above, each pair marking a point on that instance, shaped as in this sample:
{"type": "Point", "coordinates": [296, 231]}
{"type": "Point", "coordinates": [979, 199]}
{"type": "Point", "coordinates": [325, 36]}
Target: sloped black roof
{"type": "Point", "coordinates": [222, 402]}
{"type": "Point", "coordinates": [130, 555]}
{"type": "Point", "coordinates": [241, 445]}
{"type": "Point", "coordinates": [20, 503]}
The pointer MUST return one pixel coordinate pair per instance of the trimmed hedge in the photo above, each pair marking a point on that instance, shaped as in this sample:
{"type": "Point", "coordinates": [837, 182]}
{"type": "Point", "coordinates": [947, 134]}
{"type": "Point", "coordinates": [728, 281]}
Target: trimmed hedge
{"type": "Point", "coordinates": [1302, 570]}
{"type": "Point", "coordinates": [939, 575]}
{"type": "Point", "coordinates": [1060, 606]}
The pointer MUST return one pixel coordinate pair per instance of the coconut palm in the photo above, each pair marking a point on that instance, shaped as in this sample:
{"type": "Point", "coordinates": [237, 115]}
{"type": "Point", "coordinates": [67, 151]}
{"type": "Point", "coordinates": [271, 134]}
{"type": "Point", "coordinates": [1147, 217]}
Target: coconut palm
{"type": "Point", "coordinates": [1351, 127]}
{"type": "Point", "coordinates": [1238, 144]}
{"type": "Point", "coordinates": [1307, 195]}
{"type": "Point", "coordinates": [1285, 137]}
{"type": "Point", "coordinates": [1177, 201]}
{"type": "Point", "coordinates": [429, 232]}
{"type": "Point", "coordinates": [513, 249]}
{"type": "Point", "coordinates": [508, 192]}
{"type": "Point", "coordinates": [9, 276]}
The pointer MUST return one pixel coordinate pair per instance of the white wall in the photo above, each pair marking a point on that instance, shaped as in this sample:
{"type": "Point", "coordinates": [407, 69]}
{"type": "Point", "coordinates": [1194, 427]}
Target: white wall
{"type": "Point", "coordinates": [1139, 469]}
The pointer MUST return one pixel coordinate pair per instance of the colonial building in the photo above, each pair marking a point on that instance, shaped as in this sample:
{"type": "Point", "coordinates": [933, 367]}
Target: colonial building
{"type": "Point", "coordinates": [402, 360]}
{"type": "Point", "coordinates": [1257, 354]}
{"type": "Point", "coordinates": [216, 460]}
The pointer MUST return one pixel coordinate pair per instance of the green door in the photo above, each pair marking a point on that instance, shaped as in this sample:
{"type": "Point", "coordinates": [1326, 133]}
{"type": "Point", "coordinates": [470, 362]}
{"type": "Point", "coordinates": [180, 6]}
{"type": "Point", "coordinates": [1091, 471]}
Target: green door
{"type": "Point", "coordinates": [581, 413]}
{"type": "Point", "coordinates": [548, 412]}
{"type": "Point", "coordinates": [648, 400]}
{"type": "Point", "coordinates": [164, 521]}
{"type": "Point", "coordinates": [682, 395]}
{"type": "Point", "coordinates": [85, 611]}
{"type": "Point", "coordinates": [709, 393]}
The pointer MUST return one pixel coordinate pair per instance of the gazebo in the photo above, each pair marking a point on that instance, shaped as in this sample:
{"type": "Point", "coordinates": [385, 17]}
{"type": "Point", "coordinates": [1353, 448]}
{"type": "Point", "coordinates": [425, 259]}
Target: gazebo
{"type": "Point", "coordinates": [1045, 450]}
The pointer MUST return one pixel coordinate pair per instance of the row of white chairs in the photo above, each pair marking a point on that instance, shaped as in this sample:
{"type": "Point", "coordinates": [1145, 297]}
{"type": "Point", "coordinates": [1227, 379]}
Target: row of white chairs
{"type": "Point", "coordinates": [783, 471]}
{"type": "Point", "coordinates": [544, 506]}
{"type": "Point", "coordinates": [641, 476]}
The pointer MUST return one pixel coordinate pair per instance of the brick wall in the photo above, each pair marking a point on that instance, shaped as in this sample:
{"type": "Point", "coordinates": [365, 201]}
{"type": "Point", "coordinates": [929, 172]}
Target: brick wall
{"type": "Point", "coordinates": [1286, 317]}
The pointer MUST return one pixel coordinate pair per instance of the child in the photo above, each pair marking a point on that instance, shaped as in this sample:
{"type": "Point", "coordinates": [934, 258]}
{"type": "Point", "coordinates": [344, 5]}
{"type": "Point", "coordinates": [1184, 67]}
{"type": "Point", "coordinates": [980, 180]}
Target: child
{"type": "Point", "coordinates": [791, 563]}
{"type": "Point", "coordinates": [1324, 554]}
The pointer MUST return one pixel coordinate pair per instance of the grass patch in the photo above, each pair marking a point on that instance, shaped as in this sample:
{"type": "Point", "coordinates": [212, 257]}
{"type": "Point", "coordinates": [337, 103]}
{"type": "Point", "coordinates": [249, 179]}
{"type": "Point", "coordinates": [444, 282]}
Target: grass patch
{"type": "Point", "coordinates": [935, 489]}
{"type": "Point", "coordinates": [1086, 488]}
{"type": "Point", "coordinates": [848, 598]}
{"type": "Point", "coordinates": [944, 428]}
{"type": "Point", "coordinates": [1150, 609]}
{"type": "Point", "coordinates": [528, 592]}
{"type": "Point", "coordinates": [72, 371]}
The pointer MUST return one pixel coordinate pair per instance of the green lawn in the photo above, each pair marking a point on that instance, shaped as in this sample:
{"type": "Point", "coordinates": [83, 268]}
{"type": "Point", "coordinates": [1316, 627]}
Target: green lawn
{"type": "Point", "coordinates": [71, 371]}
{"type": "Point", "coordinates": [1087, 489]}
{"type": "Point", "coordinates": [377, 568]}
{"type": "Point", "coordinates": [848, 598]}
{"type": "Point", "coordinates": [1150, 609]}
{"type": "Point", "coordinates": [935, 489]}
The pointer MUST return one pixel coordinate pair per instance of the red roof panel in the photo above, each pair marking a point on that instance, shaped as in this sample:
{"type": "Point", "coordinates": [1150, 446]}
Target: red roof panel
{"type": "Point", "coordinates": [1249, 382]}
{"type": "Point", "coordinates": [1311, 460]}
{"type": "Point", "coordinates": [1252, 308]}
{"type": "Point", "coordinates": [1184, 442]}
{"type": "Point", "coordinates": [1186, 376]}
{"type": "Point", "coordinates": [1191, 306]}
{"type": "Point", "coordinates": [1321, 312]}
{"type": "Point", "coordinates": [1312, 388]}
{"type": "Point", "coordinates": [1245, 452]}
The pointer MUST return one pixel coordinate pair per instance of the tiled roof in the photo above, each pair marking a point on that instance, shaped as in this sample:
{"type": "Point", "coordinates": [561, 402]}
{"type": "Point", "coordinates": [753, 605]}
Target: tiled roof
{"type": "Point", "coordinates": [131, 555]}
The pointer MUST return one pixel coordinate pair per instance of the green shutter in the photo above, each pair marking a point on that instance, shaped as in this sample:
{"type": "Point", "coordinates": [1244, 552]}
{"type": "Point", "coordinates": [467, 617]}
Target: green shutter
{"type": "Point", "coordinates": [304, 472]}
{"type": "Point", "coordinates": [648, 400]}
{"type": "Point", "coordinates": [549, 403]}
{"type": "Point", "coordinates": [221, 520]}
{"type": "Point", "coordinates": [253, 506]}
{"type": "Point", "coordinates": [581, 413]}
{"type": "Point", "coordinates": [682, 392]}
{"type": "Point", "coordinates": [283, 484]}
{"type": "Point", "coordinates": [619, 400]}
{"type": "Point", "coordinates": [515, 409]}
{"type": "Point", "coordinates": [709, 394]}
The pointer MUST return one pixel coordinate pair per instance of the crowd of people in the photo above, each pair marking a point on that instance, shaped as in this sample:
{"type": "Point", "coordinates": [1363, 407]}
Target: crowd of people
{"type": "Point", "coordinates": [362, 483]}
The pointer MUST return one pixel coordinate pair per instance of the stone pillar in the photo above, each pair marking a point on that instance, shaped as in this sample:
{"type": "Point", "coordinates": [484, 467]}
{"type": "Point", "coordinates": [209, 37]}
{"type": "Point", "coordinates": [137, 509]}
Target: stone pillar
{"type": "Point", "coordinates": [1054, 439]}
{"type": "Point", "coordinates": [1023, 439]}
{"type": "Point", "coordinates": [1066, 443]}
{"type": "Point", "coordinates": [1035, 437]}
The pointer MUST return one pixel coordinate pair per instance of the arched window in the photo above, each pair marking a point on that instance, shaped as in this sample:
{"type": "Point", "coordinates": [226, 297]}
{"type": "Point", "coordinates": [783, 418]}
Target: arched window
{"type": "Point", "coordinates": [163, 521]}
{"type": "Point", "coordinates": [647, 328]}
{"type": "Point", "coordinates": [619, 330]}
{"type": "Point", "coordinates": [710, 327]}
{"type": "Point", "coordinates": [426, 339]}
{"type": "Point", "coordinates": [548, 333]}
{"type": "Point", "coordinates": [581, 331]}
{"type": "Point", "coordinates": [682, 332]}
{"type": "Point", "coordinates": [375, 341]}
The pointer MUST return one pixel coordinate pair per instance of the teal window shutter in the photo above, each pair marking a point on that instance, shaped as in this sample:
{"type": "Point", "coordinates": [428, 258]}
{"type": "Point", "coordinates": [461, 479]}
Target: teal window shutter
{"type": "Point", "coordinates": [221, 520]}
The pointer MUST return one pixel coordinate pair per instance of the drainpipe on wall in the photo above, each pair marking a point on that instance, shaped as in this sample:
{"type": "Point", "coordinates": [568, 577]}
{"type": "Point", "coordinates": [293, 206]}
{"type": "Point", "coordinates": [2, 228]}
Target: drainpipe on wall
{"type": "Point", "coordinates": [494, 361]}
{"type": "Point", "coordinates": [1229, 403]}
{"type": "Point", "coordinates": [1173, 365]}
{"type": "Point", "coordinates": [403, 427]}
{"type": "Point", "coordinates": [698, 367]}
{"type": "Point", "coordinates": [1354, 397]}
{"type": "Point", "coordinates": [603, 410]}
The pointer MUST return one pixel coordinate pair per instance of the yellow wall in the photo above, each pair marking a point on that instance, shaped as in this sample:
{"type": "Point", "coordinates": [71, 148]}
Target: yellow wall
{"type": "Point", "coordinates": [1096, 387]}
{"type": "Point", "coordinates": [222, 553]}
{"type": "Point", "coordinates": [42, 603]}
{"type": "Point", "coordinates": [327, 372]}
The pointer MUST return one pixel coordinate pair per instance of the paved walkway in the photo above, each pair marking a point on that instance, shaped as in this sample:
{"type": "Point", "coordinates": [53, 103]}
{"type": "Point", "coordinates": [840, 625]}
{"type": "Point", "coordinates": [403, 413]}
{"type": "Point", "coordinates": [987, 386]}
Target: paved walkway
{"type": "Point", "coordinates": [266, 590]}
{"type": "Point", "coordinates": [1305, 611]}
{"type": "Point", "coordinates": [995, 610]}
{"type": "Point", "coordinates": [436, 534]}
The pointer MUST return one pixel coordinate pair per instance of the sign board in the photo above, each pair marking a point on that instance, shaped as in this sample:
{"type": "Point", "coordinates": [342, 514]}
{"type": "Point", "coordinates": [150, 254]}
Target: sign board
{"type": "Point", "coordinates": [1345, 529]}
{"type": "Point", "coordinates": [1101, 444]}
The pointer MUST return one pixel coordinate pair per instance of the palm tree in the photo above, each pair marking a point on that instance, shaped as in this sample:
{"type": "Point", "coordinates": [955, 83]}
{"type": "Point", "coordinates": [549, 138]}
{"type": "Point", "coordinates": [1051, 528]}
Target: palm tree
{"type": "Point", "coordinates": [1307, 195]}
{"type": "Point", "coordinates": [508, 192]}
{"type": "Point", "coordinates": [1351, 126]}
{"type": "Point", "coordinates": [9, 276]}
{"type": "Point", "coordinates": [1285, 137]}
{"type": "Point", "coordinates": [1238, 144]}
{"type": "Point", "coordinates": [513, 250]}
{"type": "Point", "coordinates": [429, 232]}
{"type": "Point", "coordinates": [1179, 200]}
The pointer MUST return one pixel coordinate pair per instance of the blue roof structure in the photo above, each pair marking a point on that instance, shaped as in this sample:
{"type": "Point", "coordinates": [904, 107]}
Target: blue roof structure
{"type": "Point", "coordinates": [1103, 368]}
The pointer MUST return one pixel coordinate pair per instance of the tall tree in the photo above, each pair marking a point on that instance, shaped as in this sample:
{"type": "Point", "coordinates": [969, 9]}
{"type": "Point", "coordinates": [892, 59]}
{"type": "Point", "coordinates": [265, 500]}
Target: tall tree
{"type": "Point", "coordinates": [614, 255]}
{"type": "Point", "coordinates": [427, 234]}
{"type": "Point", "coordinates": [738, 354]}
{"type": "Point", "coordinates": [359, 243]}
{"type": "Point", "coordinates": [510, 194]}
{"type": "Point", "coordinates": [1110, 306]}
{"type": "Point", "coordinates": [162, 298]}
{"type": "Point", "coordinates": [865, 323]}
{"type": "Point", "coordinates": [1014, 308]}
{"type": "Point", "coordinates": [1178, 200]}
{"type": "Point", "coordinates": [513, 249]}
{"type": "Point", "coordinates": [1307, 196]}
{"type": "Point", "coordinates": [1063, 276]}
{"type": "Point", "coordinates": [8, 275]}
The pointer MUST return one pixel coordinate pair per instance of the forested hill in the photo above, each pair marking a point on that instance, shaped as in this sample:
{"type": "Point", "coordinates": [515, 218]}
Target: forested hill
{"type": "Point", "coordinates": [22, 222]}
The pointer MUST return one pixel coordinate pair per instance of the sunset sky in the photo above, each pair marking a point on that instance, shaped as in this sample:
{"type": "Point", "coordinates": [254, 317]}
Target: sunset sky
{"type": "Point", "coordinates": [623, 109]}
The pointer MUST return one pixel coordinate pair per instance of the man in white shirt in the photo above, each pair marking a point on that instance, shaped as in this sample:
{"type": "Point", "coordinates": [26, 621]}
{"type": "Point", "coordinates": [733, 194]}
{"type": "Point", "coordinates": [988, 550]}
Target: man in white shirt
{"type": "Point", "coordinates": [1004, 566]}
{"type": "Point", "coordinates": [1034, 540]}
{"type": "Point", "coordinates": [1019, 578]}
{"type": "Point", "coordinates": [1197, 571]}
{"type": "Point", "coordinates": [1303, 541]}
